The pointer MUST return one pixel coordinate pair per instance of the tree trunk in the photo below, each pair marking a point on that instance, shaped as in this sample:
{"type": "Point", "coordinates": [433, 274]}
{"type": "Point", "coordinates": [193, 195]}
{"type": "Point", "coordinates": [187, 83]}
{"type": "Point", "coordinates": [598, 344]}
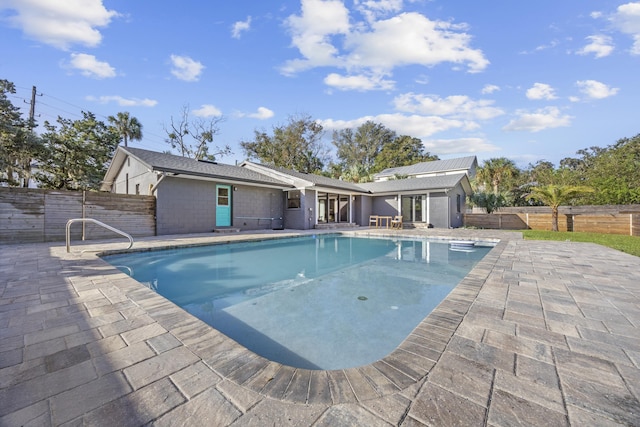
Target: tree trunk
{"type": "Point", "coordinates": [554, 218]}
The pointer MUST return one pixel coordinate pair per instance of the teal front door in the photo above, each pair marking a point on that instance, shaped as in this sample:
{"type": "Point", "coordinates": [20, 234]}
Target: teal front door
{"type": "Point", "coordinates": [223, 205]}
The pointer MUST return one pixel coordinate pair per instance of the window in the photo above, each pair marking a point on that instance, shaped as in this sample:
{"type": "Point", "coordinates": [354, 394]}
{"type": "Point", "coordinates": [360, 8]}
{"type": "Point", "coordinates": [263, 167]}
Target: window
{"type": "Point", "coordinates": [137, 189]}
{"type": "Point", "coordinates": [223, 196]}
{"type": "Point", "coordinates": [458, 203]}
{"type": "Point", "coordinates": [293, 199]}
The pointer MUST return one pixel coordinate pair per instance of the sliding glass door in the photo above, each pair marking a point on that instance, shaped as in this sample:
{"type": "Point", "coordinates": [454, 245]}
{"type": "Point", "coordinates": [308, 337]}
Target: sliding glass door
{"type": "Point", "coordinates": [412, 208]}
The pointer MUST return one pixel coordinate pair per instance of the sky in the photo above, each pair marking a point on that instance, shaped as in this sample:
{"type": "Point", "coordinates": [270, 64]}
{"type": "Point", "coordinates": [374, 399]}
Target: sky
{"type": "Point", "coordinates": [529, 81]}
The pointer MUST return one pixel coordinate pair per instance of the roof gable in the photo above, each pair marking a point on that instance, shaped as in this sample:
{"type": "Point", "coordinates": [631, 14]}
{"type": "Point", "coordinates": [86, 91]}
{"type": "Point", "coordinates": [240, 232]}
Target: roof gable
{"type": "Point", "coordinates": [187, 167]}
{"type": "Point", "coordinates": [300, 179]}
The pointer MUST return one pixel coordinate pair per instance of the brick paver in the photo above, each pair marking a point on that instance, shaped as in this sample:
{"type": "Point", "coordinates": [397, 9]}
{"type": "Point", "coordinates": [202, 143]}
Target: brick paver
{"type": "Point", "coordinates": [539, 333]}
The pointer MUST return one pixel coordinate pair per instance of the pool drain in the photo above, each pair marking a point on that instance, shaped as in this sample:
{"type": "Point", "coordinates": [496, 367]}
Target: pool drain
{"type": "Point", "coordinates": [361, 298]}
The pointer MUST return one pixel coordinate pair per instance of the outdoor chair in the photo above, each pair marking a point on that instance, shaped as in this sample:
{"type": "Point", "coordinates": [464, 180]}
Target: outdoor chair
{"type": "Point", "coordinates": [373, 220]}
{"type": "Point", "coordinates": [396, 222]}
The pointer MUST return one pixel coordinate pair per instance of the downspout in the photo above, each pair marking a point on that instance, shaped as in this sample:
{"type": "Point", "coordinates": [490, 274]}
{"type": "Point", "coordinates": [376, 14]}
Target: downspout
{"type": "Point", "coordinates": [155, 186]}
{"type": "Point", "coordinates": [152, 190]}
{"type": "Point", "coordinates": [315, 208]}
{"type": "Point", "coordinates": [446, 192]}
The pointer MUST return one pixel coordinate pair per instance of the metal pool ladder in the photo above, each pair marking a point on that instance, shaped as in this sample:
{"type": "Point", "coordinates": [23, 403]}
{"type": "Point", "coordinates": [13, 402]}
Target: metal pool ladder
{"type": "Point", "coordinates": [100, 223]}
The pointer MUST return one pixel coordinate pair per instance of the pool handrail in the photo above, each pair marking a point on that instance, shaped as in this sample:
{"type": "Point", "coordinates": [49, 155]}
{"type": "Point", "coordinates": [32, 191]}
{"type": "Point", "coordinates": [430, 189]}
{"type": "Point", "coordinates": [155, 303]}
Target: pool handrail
{"type": "Point", "coordinates": [100, 223]}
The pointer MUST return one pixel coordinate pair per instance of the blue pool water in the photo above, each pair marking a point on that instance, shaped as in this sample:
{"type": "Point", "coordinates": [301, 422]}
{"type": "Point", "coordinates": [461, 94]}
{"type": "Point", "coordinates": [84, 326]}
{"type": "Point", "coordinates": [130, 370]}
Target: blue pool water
{"type": "Point", "coordinates": [316, 302]}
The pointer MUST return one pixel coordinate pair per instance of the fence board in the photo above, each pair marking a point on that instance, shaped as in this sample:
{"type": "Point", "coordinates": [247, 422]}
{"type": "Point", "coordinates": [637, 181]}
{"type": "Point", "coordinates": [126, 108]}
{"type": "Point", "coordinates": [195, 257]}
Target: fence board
{"type": "Point", "coordinates": [35, 215]}
{"type": "Point", "coordinates": [607, 224]}
{"type": "Point", "coordinates": [60, 207]}
{"type": "Point", "coordinates": [22, 214]}
{"type": "Point", "coordinates": [611, 223]}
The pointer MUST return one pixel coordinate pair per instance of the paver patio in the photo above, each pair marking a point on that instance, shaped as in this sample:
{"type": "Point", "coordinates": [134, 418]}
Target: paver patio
{"type": "Point", "coordinates": [539, 333]}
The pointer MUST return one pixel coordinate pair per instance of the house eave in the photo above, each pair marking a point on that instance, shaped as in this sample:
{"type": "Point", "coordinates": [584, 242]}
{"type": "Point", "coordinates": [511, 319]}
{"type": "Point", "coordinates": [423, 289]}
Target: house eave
{"type": "Point", "coordinates": [219, 178]}
{"type": "Point", "coordinates": [424, 191]}
{"type": "Point", "coordinates": [336, 190]}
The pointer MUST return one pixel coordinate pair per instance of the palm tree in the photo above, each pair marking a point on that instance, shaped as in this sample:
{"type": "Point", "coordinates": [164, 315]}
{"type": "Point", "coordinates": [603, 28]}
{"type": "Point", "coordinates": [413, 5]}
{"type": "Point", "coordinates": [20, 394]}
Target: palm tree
{"type": "Point", "coordinates": [554, 195]}
{"type": "Point", "coordinates": [127, 127]}
{"type": "Point", "coordinates": [495, 171]}
{"type": "Point", "coordinates": [357, 173]}
{"type": "Point", "coordinates": [490, 201]}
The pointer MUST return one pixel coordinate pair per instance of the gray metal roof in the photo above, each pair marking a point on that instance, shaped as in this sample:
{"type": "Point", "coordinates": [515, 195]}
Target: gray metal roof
{"type": "Point", "coordinates": [461, 163]}
{"type": "Point", "coordinates": [183, 165]}
{"type": "Point", "coordinates": [414, 184]}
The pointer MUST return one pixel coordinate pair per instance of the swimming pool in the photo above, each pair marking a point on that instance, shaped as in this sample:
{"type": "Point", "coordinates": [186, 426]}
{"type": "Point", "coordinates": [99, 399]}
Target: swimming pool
{"type": "Point", "coordinates": [315, 302]}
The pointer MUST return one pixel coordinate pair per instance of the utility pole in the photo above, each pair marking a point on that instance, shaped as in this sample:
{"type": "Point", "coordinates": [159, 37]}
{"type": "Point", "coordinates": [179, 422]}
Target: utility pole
{"type": "Point", "coordinates": [32, 109]}
{"type": "Point", "coordinates": [32, 123]}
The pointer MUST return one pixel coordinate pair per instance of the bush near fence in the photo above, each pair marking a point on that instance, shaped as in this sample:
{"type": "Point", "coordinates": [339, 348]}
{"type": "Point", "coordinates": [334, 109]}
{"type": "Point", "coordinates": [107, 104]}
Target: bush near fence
{"type": "Point", "coordinates": [34, 215]}
{"type": "Point", "coordinates": [609, 219]}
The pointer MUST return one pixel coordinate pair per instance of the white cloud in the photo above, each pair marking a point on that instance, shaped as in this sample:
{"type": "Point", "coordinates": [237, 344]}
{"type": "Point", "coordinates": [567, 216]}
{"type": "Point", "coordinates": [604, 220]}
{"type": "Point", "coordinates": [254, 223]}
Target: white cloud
{"type": "Point", "coordinates": [412, 38]}
{"type": "Point", "coordinates": [358, 82]}
{"type": "Point", "coordinates": [240, 27]}
{"type": "Point", "coordinates": [422, 79]}
{"type": "Point", "coordinates": [372, 9]}
{"type": "Point", "coordinates": [311, 33]}
{"type": "Point", "coordinates": [414, 125]}
{"type": "Point", "coordinates": [455, 106]}
{"type": "Point", "coordinates": [60, 23]}
{"type": "Point", "coordinates": [326, 35]}
{"type": "Point", "coordinates": [489, 89]}
{"type": "Point", "coordinates": [600, 46]}
{"type": "Point", "coordinates": [459, 145]}
{"type": "Point", "coordinates": [421, 127]}
{"type": "Point", "coordinates": [185, 68]}
{"type": "Point", "coordinates": [552, 44]}
{"type": "Point", "coordinates": [541, 91]}
{"type": "Point", "coordinates": [627, 20]}
{"type": "Point", "coordinates": [207, 110]}
{"type": "Point", "coordinates": [595, 89]}
{"type": "Point", "coordinates": [545, 118]}
{"type": "Point", "coordinates": [124, 102]}
{"type": "Point", "coordinates": [89, 66]}
{"type": "Point", "coordinates": [263, 113]}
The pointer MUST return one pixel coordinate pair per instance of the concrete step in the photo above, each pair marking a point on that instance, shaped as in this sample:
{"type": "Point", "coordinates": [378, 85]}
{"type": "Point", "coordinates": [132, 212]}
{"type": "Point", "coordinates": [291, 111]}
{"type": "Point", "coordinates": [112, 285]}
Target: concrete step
{"type": "Point", "coordinates": [226, 230]}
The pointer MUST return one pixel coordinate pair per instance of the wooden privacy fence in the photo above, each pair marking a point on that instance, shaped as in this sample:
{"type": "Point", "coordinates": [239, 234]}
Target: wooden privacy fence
{"type": "Point", "coordinates": [592, 219]}
{"type": "Point", "coordinates": [34, 215]}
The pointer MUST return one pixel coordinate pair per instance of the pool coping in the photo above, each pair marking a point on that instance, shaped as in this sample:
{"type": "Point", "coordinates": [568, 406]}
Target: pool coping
{"type": "Point", "coordinates": [404, 367]}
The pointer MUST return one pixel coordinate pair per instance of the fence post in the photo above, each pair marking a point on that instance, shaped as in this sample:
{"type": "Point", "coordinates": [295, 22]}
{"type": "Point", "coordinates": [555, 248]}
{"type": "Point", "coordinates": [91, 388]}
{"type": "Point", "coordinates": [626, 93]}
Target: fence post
{"type": "Point", "coordinates": [84, 199]}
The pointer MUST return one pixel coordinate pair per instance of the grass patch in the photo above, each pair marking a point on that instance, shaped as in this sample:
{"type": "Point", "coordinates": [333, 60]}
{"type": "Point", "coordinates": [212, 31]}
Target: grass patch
{"type": "Point", "coordinates": [627, 244]}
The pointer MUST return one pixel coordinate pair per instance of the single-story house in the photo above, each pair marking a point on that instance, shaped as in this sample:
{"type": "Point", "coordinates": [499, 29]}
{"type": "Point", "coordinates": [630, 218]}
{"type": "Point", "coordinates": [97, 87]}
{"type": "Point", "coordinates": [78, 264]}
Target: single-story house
{"type": "Point", "coordinates": [200, 196]}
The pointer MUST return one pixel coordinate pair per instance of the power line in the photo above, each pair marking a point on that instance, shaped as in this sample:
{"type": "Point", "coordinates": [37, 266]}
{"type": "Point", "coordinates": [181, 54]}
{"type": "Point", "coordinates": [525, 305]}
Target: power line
{"type": "Point", "coordinates": [149, 141]}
